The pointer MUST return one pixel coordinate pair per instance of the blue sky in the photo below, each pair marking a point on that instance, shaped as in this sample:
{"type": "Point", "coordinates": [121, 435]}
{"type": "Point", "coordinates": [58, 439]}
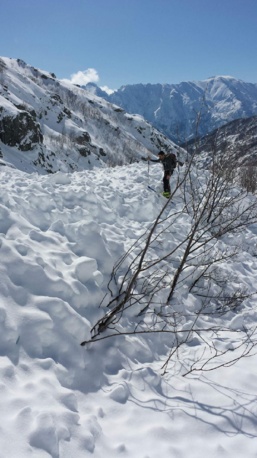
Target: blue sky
{"type": "Point", "coordinates": [116, 42]}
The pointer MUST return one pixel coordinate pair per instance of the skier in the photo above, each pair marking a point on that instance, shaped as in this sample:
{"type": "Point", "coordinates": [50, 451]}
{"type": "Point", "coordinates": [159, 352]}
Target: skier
{"type": "Point", "coordinates": [169, 162]}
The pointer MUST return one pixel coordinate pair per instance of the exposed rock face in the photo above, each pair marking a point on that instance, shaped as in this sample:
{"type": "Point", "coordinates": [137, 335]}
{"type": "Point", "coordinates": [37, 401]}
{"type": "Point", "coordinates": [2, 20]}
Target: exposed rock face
{"type": "Point", "coordinates": [83, 139]}
{"type": "Point", "coordinates": [21, 130]}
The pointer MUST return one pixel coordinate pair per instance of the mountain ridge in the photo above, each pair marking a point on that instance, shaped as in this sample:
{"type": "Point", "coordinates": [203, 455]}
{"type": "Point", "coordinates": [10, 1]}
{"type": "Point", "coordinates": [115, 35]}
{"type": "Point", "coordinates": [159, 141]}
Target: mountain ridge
{"type": "Point", "coordinates": [49, 125]}
{"type": "Point", "coordinates": [175, 109]}
{"type": "Point", "coordinates": [237, 139]}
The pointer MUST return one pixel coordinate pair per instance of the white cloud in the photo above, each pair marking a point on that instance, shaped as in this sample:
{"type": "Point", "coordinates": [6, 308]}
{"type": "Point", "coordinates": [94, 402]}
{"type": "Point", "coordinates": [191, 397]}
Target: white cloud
{"type": "Point", "coordinates": [83, 77]}
{"type": "Point", "coordinates": [107, 90]}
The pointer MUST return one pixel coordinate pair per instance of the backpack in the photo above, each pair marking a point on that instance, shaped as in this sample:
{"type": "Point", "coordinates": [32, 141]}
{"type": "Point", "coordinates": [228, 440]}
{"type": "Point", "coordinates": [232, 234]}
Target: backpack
{"type": "Point", "coordinates": [172, 159]}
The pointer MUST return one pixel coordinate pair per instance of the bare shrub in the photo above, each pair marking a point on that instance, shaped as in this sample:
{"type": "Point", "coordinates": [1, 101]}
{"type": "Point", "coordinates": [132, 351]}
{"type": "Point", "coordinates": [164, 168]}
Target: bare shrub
{"type": "Point", "coordinates": [184, 289]}
{"type": "Point", "coordinates": [248, 178]}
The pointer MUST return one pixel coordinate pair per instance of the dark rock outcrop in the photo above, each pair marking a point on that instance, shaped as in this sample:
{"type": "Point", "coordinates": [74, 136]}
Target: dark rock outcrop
{"type": "Point", "coordinates": [21, 130]}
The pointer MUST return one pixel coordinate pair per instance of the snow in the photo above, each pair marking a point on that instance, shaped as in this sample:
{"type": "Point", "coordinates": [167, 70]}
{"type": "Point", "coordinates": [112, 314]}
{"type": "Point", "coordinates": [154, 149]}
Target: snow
{"type": "Point", "coordinates": [79, 129]}
{"type": "Point", "coordinates": [60, 236]}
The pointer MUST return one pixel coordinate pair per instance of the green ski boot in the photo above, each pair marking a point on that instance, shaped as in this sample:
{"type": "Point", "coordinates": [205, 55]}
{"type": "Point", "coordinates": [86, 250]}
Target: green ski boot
{"type": "Point", "coordinates": [166, 194]}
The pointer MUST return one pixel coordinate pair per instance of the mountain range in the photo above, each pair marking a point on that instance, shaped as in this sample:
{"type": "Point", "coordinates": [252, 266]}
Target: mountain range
{"type": "Point", "coordinates": [49, 125]}
{"type": "Point", "coordinates": [189, 109]}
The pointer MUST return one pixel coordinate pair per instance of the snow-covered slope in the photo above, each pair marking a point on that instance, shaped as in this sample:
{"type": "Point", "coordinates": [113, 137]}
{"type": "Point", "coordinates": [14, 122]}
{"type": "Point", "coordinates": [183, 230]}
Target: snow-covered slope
{"type": "Point", "coordinates": [60, 236]}
{"type": "Point", "coordinates": [237, 140]}
{"type": "Point", "coordinates": [49, 125]}
{"type": "Point", "coordinates": [175, 108]}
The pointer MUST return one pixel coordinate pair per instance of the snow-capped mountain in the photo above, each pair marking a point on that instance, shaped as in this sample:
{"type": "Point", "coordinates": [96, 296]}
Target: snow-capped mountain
{"type": "Point", "coordinates": [50, 125]}
{"type": "Point", "coordinates": [184, 110]}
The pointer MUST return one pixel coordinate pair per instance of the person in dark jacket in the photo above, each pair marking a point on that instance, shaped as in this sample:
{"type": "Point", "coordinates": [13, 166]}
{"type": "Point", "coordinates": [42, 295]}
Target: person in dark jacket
{"type": "Point", "coordinates": [169, 162]}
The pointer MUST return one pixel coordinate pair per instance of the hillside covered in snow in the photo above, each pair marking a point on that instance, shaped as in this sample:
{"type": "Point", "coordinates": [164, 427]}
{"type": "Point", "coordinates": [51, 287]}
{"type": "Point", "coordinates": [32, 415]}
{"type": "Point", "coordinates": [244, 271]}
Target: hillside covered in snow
{"type": "Point", "coordinates": [62, 237]}
{"type": "Point", "coordinates": [50, 125]}
{"type": "Point", "coordinates": [128, 321]}
{"type": "Point", "coordinates": [238, 139]}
